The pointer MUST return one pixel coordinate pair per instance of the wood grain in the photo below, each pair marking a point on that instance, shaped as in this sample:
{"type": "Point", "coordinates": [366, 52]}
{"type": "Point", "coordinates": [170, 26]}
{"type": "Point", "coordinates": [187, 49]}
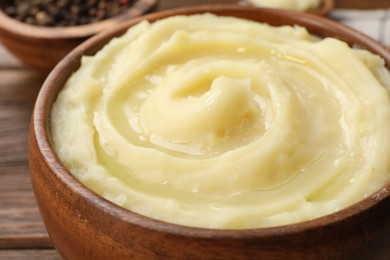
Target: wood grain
{"type": "Point", "coordinates": [20, 222]}
{"type": "Point", "coordinates": [29, 254]}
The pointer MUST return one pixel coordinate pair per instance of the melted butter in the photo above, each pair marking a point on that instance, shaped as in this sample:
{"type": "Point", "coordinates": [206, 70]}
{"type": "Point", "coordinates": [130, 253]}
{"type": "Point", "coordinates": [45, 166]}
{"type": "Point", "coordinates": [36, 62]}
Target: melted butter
{"type": "Point", "coordinates": [225, 123]}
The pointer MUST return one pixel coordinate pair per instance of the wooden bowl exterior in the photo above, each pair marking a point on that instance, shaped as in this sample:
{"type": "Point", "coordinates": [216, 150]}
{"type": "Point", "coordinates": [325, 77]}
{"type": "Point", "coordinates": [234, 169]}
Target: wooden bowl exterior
{"type": "Point", "coordinates": [44, 47]}
{"type": "Point", "coordinates": [83, 225]}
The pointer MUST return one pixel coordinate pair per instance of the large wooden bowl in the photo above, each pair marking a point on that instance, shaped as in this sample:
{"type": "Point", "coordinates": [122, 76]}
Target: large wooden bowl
{"type": "Point", "coordinates": [83, 225]}
{"type": "Point", "coordinates": [43, 47]}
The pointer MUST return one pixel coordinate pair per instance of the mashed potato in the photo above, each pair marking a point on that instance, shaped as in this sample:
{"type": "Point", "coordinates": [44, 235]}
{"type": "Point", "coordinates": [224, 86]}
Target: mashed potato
{"type": "Point", "coordinates": [295, 5]}
{"type": "Point", "coordinates": [226, 123]}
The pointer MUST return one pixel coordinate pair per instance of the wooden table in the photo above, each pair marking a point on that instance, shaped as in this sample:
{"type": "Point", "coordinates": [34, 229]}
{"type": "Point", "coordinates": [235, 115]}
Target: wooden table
{"type": "Point", "coordinates": [22, 233]}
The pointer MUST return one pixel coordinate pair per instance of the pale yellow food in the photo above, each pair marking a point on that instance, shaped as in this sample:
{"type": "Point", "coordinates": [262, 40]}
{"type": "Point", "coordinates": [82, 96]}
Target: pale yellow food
{"type": "Point", "coordinates": [225, 123]}
{"type": "Point", "coordinates": [295, 5]}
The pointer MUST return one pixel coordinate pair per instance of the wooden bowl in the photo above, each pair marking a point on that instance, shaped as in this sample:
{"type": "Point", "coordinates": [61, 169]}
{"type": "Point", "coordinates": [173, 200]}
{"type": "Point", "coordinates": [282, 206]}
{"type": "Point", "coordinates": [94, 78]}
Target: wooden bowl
{"type": "Point", "coordinates": [43, 47]}
{"type": "Point", "coordinates": [83, 225]}
{"type": "Point", "coordinates": [324, 9]}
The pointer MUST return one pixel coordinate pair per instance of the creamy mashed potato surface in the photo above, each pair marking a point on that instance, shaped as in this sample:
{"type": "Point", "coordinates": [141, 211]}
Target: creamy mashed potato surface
{"type": "Point", "coordinates": [295, 5]}
{"type": "Point", "coordinates": [220, 122]}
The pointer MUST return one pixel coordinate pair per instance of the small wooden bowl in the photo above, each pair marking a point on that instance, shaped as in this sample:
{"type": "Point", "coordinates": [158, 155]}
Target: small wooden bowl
{"type": "Point", "coordinates": [83, 225]}
{"type": "Point", "coordinates": [324, 9]}
{"type": "Point", "coordinates": [43, 47]}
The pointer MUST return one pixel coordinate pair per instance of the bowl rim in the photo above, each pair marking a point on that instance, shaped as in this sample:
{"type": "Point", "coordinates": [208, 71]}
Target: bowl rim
{"type": "Point", "coordinates": [7, 23]}
{"type": "Point", "coordinates": [54, 82]}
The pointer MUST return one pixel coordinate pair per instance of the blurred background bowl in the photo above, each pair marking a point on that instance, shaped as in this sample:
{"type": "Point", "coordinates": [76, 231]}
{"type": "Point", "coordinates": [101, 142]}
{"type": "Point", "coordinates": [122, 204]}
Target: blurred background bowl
{"type": "Point", "coordinates": [83, 225]}
{"type": "Point", "coordinates": [324, 9]}
{"type": "Point", "coordinates": [43, 47]}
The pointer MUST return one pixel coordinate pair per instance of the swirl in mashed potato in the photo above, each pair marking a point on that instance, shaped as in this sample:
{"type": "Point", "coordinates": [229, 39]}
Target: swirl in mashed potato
{"type": "Point", "coordinates": [226, 123]}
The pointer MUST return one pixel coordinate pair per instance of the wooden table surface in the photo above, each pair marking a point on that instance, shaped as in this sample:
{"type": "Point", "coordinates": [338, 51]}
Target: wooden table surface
{"type": "Point", "coordinates": [22, 233]}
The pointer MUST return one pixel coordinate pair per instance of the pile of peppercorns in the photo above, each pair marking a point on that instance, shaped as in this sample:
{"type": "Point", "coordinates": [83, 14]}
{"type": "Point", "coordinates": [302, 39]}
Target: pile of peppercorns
{"type": "Point", "coordinates": [65, 12]}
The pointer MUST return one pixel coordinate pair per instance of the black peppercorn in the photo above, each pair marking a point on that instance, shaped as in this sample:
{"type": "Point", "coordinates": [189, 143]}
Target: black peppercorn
{"type": "Point", "coordinates": [65, 12]}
